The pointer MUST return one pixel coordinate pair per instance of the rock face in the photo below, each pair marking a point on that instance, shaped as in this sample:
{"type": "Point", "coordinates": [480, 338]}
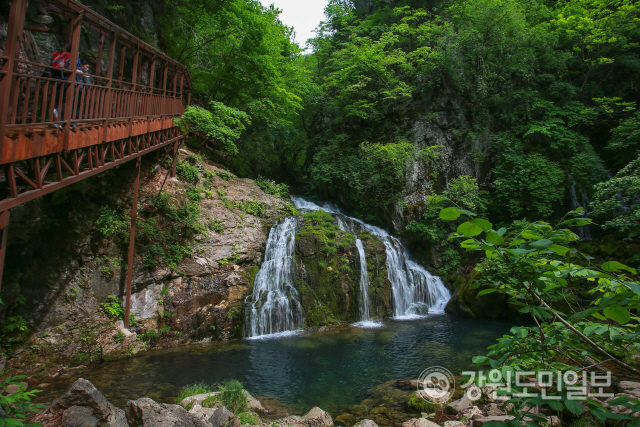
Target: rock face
{"type": "Point", "coordinates": [419, 422]}
{"type": "Point", "coordinates": [79, 416]}
{"type": "Point", "coordinates": [199, 299]}
{"type": "Point", "coordinates": [147, 413]}
{"type": "Point", "coordinates": [83, 401]}
{"type": "Point", "coordinates": [328, 276]}
{"type": "Point", "coordinates": [220, 417]}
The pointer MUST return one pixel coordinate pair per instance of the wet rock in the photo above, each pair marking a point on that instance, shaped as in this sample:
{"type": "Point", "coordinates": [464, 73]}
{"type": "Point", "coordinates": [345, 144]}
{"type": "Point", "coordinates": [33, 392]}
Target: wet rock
{"type": "Point", "coordinates": [454, 424]}
{"type": "Point", "coordinates": [148, 413]}
{"type": "Point", "coordinates": [482, 421]}
{"type": "Point", "coordinates": [493, 410]}
{"type": "Point", "coordinates": [220, 417]}
{"type": "Point", "coordinates": [365, 423]}
{"type": "Point", "coordinates": [203, 413]}
{"type": "Point", "coordinates": [419, 422]}
{"type": "Point", "coordinates": [234, 422]}
{"type": "Point", "coordinates": [79, 416]}
{"type": "Point", "coordinates": [629, 385]}
{"type": "Point", "coordinates": [471, 413]}
{"type": "Point", "coordinates": [316, 417]}
{"type": "Point", "coordinates": [458, 405]}
{"type": "Point", "coordinates": [83, 393]}
{"type": "Point", "coordinates": [345, 420]}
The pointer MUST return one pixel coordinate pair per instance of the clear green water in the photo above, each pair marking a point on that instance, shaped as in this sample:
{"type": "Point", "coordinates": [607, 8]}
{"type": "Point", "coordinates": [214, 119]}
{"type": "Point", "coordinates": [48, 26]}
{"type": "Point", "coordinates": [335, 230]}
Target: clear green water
{"type": "Point", "coordinates": [332, 370]}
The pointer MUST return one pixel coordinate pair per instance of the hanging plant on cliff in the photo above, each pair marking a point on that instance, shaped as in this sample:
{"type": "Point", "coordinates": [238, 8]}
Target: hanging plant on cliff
{"type": "Point", "coordinates": [218, 125]}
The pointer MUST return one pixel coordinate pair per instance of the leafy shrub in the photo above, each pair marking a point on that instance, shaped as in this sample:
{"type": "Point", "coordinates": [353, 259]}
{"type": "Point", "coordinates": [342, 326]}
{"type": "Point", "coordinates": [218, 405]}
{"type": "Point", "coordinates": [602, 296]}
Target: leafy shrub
{"type": "Point", "coordinates": [187, 172]}
{"type": "Point", "coordinates": [149, 336]}
{"type": "Point", "coordinates": [252, 207]}
{"type": "Point", "coordinates": [16, 405]}
{"type": "Point", "coordinates": [270, 187]}
{"type": "Point", "coordinates": [218, 124]}
{"type": "Point", "coordinates": [113, 308]}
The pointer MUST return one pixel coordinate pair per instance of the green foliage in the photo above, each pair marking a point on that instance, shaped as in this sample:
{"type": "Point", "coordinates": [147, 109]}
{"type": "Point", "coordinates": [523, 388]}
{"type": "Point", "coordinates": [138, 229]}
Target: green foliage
{"type": "Point", "coordinates": [617, 202]}
{"type": "Point", "coordinates": [249, 418]}
{"type": "Point", "coordinates": [252, 207]}
{"type": "Point", "coordinates": [219, 124]}
{"type": "Point", "coordinates": [233, 396]}
{"type": "Point", "coordinates": [193, 389]}
{"type": "Point", "coordinates": [119, 336]}
{"type": "Point", "coordinates": [149, 336]}
{"type": "Point", "coordinates": [113, 308]}
{"type": "Point", "coordinates": [270, 187]}
{"type": "Point", "coordinates": [18, 404]}
{"type": "Point", "coordinates": [536, 267]}
{"type": "Point", "coordinates": [111, 223]}
{"type": "Point", "coordinates": [187, 172]}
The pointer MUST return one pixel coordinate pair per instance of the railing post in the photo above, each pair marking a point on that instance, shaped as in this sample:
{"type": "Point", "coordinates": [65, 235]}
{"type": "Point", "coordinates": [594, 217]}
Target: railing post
{"type": "Point", "coordinates": [4, 224]}
{"type": "Point", "coordinates": [121, 66]}
{"type": "Point", "coordinates": [69, 108]}
{"type": "Point", "coordinates": [109, 97]}
{"type": "Point", "coordinates": [132, 237]}
{"type": "Point", "coordinates": [12, 47]}
{"type": "Point", "coordinates": [152, 76]}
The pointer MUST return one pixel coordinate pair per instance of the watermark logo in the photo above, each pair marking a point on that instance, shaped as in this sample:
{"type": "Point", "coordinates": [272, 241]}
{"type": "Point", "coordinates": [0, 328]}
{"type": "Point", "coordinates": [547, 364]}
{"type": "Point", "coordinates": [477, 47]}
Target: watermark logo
{"type": "Point", "coordinates": [436, 385]}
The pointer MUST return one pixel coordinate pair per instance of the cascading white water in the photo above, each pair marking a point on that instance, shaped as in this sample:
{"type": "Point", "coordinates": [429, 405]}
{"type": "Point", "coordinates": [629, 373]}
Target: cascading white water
{"type": "Point", "coordinates": [365, 312]}
{"type": "Point", "coordinates": [274, 306]}
{"type": "Point", "coordinates": [415, 290]}
{"type": "Point", "coordinates": [584, 232]}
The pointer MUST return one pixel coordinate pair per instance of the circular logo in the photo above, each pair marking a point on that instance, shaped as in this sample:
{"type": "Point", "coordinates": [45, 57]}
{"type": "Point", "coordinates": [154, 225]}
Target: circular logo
{"type": "Point", "coordinates": [436, 385]}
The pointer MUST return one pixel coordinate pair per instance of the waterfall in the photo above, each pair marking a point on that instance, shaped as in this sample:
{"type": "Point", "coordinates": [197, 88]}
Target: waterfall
{"type": "Point", "coordinates": [584, 232]}
{"type": "Point", "coordinates": [273, 306]}
{"type": "Point", "coordinates": [365, 312]}
{"type": "Point", "coordinates": [415, 290]}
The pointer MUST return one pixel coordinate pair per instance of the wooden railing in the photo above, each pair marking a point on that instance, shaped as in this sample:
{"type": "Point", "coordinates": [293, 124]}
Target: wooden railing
{"type": "Point", "coordinates": [56, 127]}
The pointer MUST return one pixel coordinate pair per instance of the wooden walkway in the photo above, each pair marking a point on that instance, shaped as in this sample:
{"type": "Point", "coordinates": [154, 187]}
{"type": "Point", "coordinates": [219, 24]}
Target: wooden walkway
{"type": "Point", "coordinates": [54, 132]}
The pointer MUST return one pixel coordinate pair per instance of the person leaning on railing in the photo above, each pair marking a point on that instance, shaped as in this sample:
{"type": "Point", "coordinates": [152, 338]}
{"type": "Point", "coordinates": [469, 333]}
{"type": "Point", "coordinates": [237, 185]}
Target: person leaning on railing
{"type": "Point", "coordinates": [80, 78]}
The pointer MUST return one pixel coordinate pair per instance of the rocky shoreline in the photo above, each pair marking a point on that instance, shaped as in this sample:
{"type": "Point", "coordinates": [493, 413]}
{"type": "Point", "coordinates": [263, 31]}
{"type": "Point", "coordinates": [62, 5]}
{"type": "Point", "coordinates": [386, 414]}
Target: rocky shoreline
{"type": "Point", "coordinates": [83, 405]}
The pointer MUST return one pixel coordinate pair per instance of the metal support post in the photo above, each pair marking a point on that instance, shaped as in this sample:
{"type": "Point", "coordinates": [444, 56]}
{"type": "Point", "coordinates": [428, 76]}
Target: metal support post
{"type": "Point", "coordinates": [132, 237]}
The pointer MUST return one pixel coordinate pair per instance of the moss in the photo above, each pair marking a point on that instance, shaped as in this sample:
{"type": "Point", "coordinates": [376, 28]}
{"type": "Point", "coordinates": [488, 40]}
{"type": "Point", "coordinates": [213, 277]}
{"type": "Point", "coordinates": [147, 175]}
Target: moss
{"type": "Point", "coordinates": [416, 403]}
{"type": "Point", "coordinates": [249, 418]}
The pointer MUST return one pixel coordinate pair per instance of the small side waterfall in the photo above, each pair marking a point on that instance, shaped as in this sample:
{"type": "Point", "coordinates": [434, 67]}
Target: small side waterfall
{"type": "Point", "coordinates": [274, 306]}
{"type": "Point", "coordinates": [365, 312]}
{"type": "Point", "coordinates": [584, 232]}
{"type": "Point", "coordinates": [415, 290]}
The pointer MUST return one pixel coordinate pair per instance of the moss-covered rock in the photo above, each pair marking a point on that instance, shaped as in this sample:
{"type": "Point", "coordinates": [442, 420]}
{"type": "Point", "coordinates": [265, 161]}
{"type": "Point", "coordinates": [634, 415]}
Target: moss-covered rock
{"type": "Point", "coordinates": [329, 272]}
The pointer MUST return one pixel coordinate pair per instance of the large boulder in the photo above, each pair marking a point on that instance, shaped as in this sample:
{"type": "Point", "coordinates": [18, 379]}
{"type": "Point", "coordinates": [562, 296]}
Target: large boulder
{"type": "Point", "coordinates": [84, 394]}
{"type": "Point", "coordinates": [148, 413]}
{"type": "Point", "coordinates": [220, 417]}
{"type": "Point", "coordinates": [79, 416]}
{"type": "Point", "coordinates": [366, 423]}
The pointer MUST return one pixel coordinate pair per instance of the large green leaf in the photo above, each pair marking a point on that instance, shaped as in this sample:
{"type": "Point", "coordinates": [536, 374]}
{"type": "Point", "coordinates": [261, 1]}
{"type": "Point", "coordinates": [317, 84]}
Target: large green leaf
{"type": "Point", "coordinates": [528, 234]}
{"type": "Point", "coordinates": [450, 214]}
{"type": "Point", "coordinates": [612, 266]}
{"type": "Point", "coordinates": [494, 238]}
{"type": "Point", "coordinates": [574, 406]}
{"type": "Point", "coordinates": [469, 229]}
{"type": "Point", "coordinates": [617, 313]}
{"type": "Point", "coordinates": [541, 244]}
{"type": "Point", "coordinates": [482, 223]}
{"type": "Point", "coordinates": [560, 250]}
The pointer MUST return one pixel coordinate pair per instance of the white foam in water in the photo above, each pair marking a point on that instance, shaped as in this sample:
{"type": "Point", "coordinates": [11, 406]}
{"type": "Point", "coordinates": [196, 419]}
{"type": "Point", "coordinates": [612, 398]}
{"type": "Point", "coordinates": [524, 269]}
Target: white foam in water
{"type": "Point", "coordinates": [282, 334]}
{"type": "Point", "coordinates": [368, 324]}
{"type": "Point", "coordinates": [415, 290]}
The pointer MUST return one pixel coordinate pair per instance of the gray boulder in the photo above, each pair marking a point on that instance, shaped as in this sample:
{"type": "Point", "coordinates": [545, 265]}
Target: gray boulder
{"type": "Point", "coordinates": [79, 416]}
{"type": "Point", "coordinates": [366, 423]}
{"type": "Point", "coordinates": [420, 422]}
{"type": "Point", "coordinates": [459, 405]}
{"type": "Point", "coordinates": [316, 417]}
{"type": "Point", "coordinates": [83, 393]}
{"type": "Point", "coordinates": [220, 417]}
{"type": "Point", "coordinates": [148, 413]}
